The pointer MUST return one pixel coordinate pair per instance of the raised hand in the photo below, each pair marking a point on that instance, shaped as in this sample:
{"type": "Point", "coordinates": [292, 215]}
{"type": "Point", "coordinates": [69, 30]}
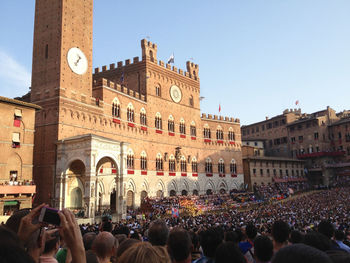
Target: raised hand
{"type": "Point", "coordinates": [71, 234]}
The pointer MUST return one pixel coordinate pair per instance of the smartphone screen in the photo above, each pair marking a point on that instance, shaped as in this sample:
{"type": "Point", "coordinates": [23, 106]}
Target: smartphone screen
{"type": "Point", "coordinates": [49, 215]}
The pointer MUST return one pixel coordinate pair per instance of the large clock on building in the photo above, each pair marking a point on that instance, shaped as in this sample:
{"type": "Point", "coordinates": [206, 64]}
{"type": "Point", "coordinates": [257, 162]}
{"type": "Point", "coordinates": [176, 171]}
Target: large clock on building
{"type": "Point", "coordinates": [175, 93]}
{"type": "Point", "coordinates": [77, 61]}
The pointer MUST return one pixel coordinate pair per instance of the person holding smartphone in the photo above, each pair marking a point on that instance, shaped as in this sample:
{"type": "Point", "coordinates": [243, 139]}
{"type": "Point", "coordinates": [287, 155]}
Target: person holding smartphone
{"type": "Point", "coordinates": [68, 229]}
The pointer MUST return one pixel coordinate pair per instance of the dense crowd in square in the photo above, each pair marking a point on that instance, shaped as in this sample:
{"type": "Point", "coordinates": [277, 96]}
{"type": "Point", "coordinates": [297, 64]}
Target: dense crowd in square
{"type": "Point", "coordinates": [312, 226]}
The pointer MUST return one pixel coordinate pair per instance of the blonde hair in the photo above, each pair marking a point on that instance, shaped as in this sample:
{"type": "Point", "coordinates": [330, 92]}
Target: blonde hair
{"type": "Point", "coordinates": [144, 252]}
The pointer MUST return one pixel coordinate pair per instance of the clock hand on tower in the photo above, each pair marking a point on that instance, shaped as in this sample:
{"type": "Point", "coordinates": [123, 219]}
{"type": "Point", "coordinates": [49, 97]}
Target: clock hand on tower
{"type": "Point", "coordinates": [76, 62]}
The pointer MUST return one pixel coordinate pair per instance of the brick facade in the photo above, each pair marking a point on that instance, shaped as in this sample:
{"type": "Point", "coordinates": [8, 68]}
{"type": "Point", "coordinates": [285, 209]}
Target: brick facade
{"type": "Point", "coordinates": [120, 107]}
{"type": "Point", "coordinates": [16, 162]}
{"type": "Point", "coordinates": [321, 139]}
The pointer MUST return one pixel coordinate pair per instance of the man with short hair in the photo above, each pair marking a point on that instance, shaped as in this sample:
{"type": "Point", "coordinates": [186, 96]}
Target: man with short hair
{"type": "Point", "coordinates": [326, 228]}
{"type": "Point", "coordinates": [51, 247]}
{"type": "Point", "coordinates": [179, 245]}
{"type": "Point", "coordinates": [210, 239]}
{"type": "Point", "coordinates": [247, 247]}
{"type": "Point", "coordinates": [263, 249]}
{"type": "Point", "coordinates": [158, 233]}
{"type": "Point", "coordinates": [88, 239]}
{"type": "Point", "coordinates": [104, 246]}
{"type": "Point", "coordinates": [280, 234]}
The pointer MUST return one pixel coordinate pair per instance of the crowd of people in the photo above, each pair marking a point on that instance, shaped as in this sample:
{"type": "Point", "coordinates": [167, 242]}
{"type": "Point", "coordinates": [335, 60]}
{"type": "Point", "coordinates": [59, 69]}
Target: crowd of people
{"type": "Point", "coordinates": [313, 227]}
{"type": "Point", "coordinates": [280, 190]}
{"type": "Point", "coordinates": [199, 204]}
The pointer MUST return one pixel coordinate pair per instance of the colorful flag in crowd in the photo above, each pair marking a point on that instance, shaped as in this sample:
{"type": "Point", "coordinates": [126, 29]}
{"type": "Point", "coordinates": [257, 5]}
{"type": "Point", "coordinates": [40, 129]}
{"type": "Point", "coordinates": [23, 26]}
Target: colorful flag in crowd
{"type": "Point", "coordinates": [174, 212]}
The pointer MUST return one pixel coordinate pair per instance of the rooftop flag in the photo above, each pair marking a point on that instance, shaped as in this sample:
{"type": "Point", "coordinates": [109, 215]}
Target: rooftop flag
{"type": "Point", "coordinates": [171, 59]}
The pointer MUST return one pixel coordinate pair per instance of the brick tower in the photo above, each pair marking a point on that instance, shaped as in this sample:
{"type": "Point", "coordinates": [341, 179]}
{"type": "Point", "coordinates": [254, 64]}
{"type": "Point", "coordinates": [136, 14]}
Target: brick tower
{"type": "Point", "coordinates": [61, 73]}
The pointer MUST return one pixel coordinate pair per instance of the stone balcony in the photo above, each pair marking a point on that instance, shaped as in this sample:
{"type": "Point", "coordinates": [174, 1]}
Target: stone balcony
{"type": "Point", "coordinates": [17, 189]}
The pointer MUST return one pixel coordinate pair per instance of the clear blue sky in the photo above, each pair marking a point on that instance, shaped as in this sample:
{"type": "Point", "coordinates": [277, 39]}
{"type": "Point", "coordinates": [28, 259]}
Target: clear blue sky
{"type": "Point", "coordinates": [256, 58]}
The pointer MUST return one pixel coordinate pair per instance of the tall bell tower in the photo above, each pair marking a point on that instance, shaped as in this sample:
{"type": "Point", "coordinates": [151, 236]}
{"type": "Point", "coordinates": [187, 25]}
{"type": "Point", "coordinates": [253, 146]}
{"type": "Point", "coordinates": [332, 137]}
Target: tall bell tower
{"type": "Point", "coordinates": [61, 73]}
{"type": "Point", "coordinates": [62, 49]}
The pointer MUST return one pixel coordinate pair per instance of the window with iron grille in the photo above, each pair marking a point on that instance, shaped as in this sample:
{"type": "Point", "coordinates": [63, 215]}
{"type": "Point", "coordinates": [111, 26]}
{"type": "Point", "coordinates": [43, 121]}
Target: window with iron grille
{"type": "Point", "coordinates": [182, 128]}
{"type": "Point", "coordinates": [116, 110]}
{"type": "Point", "coordinates": [158, 122]}
{"type": "Point", "coordinates": [221, 167]}
{"type": "Point", "coordinates": [159, 164]}
{"type": "Point", "coordinates": [130, 161]}
{"type": "Point", "coordinates": [231, 135]}
{"type": "Point", "coordinates": [143, 163]}
{"type": "Point", "coordinates": [143, 118]}
{"type": "Point", "coordinates": [219, 134]}
{"type": "Point", "coordinates": [193, 131]}
{"type": "Point", "coordinates": [194, 166]}
{"type": "Point", "coordinates": [130, 115]}
{"type": "Point", "coordinates": [208, 167]}
{"type": "Point", "coordinates": [171, 125]}
{"type": "Point", "coordinates": [206, 133]}
{"type": "Point", "coordinates": [183, 165]}
{"type": "Point", "coordinates": [172, 166]}
{"type": "Point", "coordinates": [233, 168]}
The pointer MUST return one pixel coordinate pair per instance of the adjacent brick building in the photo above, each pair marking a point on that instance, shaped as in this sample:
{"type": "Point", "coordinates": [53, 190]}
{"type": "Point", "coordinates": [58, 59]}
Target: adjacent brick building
{"type": "Point", "coordinates": [321, 139]}
{"type": "Point", "coordinates": [108, 139]}
{"type": "Point", "coordinates": [16, 161]}
{"type": "Point", "coordinates": [260, 169]}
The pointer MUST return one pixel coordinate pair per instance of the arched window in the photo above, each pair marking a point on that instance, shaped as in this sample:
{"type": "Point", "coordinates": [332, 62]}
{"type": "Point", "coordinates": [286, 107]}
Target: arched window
{"type": "Point", "coordinates": [172, 167]}
{"type": "Point", "coordinates": [143, 118]}
{"type": "Point", "coordinates": [194, 165]}
{"type": "Point", "coordinates": [182, 126]}
{"type": "Point", "coordinates": [130, 113]}
{"type": "Point", "coordinates": [158, 91]}
{"type": "Point", "coordinates": [159, 162]}
{"type": "Point", "coordinates": [143, 161]}
{"type": "Point", "coordinates": [116, 108]}
{"type": "Point", "coordinates": [233, 167]}
{"type": "Point", "coordinates": [208, 166]}
{"type": "Point", "coordinates": [158, 121]}
{"type": "Point", "coordinates": [231, 134]}
{"type": "Point", "coordinates": [171, 124]}
{"type": "Point", "coordinates": [193, 129]}
{"type": "Point", "coordinates": [206, 131]}
{"type": "Point", "coordinates": [219, 133]}
{"type": "Point", "coordinates": [183, 164]}
{"type": "Point", "coordinates": [221, 166]}
{"type": "Point", "coordinates": [191, 101]}
{"type": "Point", "coordinates": [130, 159]}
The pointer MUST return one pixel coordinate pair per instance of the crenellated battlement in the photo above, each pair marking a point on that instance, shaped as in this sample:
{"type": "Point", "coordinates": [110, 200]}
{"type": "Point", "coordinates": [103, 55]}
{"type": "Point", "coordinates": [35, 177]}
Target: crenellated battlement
{"type": "Point", "coordinates": [121, 66]}
{"type": "Point", "coordinates": [214, 117]}
{"type": "Point", "coordinates": [149, 53]}
{"type": "Point", "coordinates": [102, 82]}
{"type": "Point", "coordinates": [296, 111]}
{"type": "Point", "coordinates": [192, 69]}
{"type": "Point", "coordinates": [145, 43]}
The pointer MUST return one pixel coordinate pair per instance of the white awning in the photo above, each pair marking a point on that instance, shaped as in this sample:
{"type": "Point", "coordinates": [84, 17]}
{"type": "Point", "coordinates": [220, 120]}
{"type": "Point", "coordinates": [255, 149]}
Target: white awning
{"type": "Point", "coordinates": [15, 137]}
{"type": "Point", "coordinates": [18, 113]}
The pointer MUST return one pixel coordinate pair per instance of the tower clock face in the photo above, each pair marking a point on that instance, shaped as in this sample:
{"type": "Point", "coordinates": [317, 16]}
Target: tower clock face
{"type": "Point", "coordinates": [175, 93]}
{"type": "Point", "coordinates": [77, 61]}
